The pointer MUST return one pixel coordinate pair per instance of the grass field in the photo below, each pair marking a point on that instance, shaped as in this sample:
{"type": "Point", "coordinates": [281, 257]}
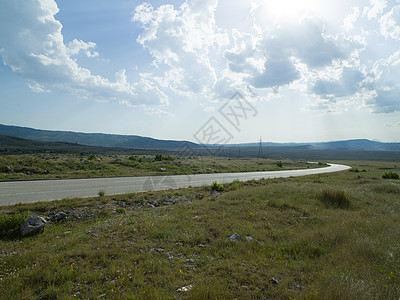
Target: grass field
{"type": "Point", "coordinates": [331, 236]}
{"type": "Point", "coordinates": [40, 166]}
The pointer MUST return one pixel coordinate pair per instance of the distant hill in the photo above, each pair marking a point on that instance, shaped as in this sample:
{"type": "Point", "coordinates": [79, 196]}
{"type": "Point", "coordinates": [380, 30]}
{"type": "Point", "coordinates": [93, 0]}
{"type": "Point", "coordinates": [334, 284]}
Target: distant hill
{"type": "Point", "coordinates": [93, 139]}
{"type": "Point", "coordinates": [15, 145]}
{"type": "Point", "coordinates": [353, 145]}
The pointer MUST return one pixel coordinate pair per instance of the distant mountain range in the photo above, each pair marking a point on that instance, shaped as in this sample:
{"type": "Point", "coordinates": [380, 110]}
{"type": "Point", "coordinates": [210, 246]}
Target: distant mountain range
{"type": "Point", "coordinates": [354, 145]}
{"type": "Point", "coordinates": [139, 142]}
{"type": "Point", "coordinates": [92, 139]}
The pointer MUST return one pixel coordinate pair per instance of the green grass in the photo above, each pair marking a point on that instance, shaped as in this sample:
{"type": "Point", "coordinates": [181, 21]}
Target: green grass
{"type": "Point", "coordinates": [128, 249]}
{"type": "Point", "coordinates": [10, 223]}
{"type": "Point", "coordinates": [42, 166]}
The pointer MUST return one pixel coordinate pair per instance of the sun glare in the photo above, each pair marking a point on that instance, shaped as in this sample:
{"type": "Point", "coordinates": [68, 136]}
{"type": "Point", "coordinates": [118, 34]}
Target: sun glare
{"type": "Point", "coordinates": [291, 8]}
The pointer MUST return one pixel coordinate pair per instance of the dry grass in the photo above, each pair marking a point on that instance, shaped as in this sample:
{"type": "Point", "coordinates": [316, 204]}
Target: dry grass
{"type": "Point", "coordinates": [309, 249]}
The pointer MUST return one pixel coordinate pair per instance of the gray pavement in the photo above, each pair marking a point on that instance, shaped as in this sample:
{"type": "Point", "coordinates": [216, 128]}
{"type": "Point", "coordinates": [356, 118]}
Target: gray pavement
{"type": "Point", "coordinates": [48, 190]}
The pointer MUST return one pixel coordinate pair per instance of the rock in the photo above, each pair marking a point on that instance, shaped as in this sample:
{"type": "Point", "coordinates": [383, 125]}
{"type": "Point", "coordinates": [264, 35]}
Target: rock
{"type": "Point", "coordinates": [234, 238]}
{"type": "Point", "coordinates": [9, 169]}
{"type": "Point", "coordinates": [215, 194]}
{"type": "Point", "coordinates": [32, 226]}
{"type": "Point", "coordinates": [297, 287]}
{"type": "Point", "coordinates": [274, 280]}
{"type": "Point", "coordinates": [249, 237]}
{"type": "Point", "coordinates": [187, 288]}
{"type": "Point", "coordinates": [61, 216]}
{"type": "Point", "coordinates": [190, 261]}
{"type": "Point", "coordinates": [121, 203]}
{"type": "Point", "coordinates": [163, 169]}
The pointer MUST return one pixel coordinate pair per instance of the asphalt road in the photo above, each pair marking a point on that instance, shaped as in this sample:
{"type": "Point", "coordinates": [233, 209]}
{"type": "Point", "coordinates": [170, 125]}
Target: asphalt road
{"type": "Point", "coordinates": [48, 190]}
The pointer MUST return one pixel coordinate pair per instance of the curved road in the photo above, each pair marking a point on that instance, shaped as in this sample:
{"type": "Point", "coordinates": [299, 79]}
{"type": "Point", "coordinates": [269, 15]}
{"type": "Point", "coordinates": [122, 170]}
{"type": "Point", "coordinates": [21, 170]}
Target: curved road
{"type": "Point", "coordinates": [48, 190]}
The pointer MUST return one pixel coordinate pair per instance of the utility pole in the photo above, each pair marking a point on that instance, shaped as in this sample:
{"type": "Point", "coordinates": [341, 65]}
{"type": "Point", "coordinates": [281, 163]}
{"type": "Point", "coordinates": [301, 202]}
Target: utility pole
{"type": "Point", "coordinates": [260, 151]}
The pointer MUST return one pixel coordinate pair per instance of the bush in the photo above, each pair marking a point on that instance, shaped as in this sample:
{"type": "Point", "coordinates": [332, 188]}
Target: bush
{"type": "Point", "coordinates": [217, 187]}
{"type": "Point", "coordinates": [279, 164]}
{"type": "Point", "coordinates": [390, 175]}
{"type": "Point", "coordinates": [235, 185]}
{"type": "Point", "coordinates": [12, 222]}
{"type": "Point", "coordinates": [101, 193]}
{"type": "Point", "coordinates": [335, 199]}
{"type": "Point", "coordinates": [121, 210]}
{"type": "Point", "coordinates": [160, 157]}
{"type": "Point", "coordinates": [132, 157]}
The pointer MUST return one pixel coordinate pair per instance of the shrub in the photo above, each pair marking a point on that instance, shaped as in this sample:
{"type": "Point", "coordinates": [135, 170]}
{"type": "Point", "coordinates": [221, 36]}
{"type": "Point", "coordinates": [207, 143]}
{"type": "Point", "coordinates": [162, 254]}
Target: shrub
{"type": "Point", "coordinates": [217, 187]}
{"type": "Point", "coordinates": [335, 199]}
{"type": "Point", "coordinates": [92, 157]}
{"type": "Point", "coordinates": [390, 175]}
{"type": "Point", "coordinates": [132, 157]}
{"type": "Point", "coordinates": [121, 210]}
{"type": "Point", "coordinates": [160, 157]}
{"type": "Point", "coordinates": [234, 185]}
{"type": "Point", "coordinates": [279, 164]}
{"type": "Point", "coordinates": [12, 222]}
{"type": "Point", "coordinates": [101, 193]}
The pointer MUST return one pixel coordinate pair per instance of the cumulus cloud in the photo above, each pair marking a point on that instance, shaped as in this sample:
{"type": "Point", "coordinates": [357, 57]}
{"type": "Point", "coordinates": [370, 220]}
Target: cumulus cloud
{"type": "Point", "coordinates": [75, 47]}
{"type": "Point", "coordinates": [195, 58]}
{"type": "Point", "coordinates": [203, 59]}
{"type": "Point", "coordinates": [278, 71]}
{"type": "Point", "coordinates": [32, 46]}
{"type": "Point", "coordinates": [386, 100]}
{"type": "Point", "coordinates": [385, 85]}
{"type": "Point", "coordinates": [306, 43]}
{"type": "Point", "coordinates": [348, 84]}
{"type": "Point", "coordinates": [376, 8]}
{"type": "Point", "coordinates": [182, 39]}
{"type": "Point", "coordinates": [390, 23]}
{"type": "Point", "coordinates": [348, 22]}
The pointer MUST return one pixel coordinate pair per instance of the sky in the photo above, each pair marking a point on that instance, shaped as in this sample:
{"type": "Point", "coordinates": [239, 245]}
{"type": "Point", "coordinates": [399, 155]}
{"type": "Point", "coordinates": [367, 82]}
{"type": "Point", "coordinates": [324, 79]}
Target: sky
{"type": "Point", "coordinates": [207, 71]}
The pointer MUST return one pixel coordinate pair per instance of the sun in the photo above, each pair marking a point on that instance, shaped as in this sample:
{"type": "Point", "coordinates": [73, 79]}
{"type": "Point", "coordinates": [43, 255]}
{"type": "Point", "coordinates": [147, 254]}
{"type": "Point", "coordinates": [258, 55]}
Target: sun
{"type": "Point", "coordinates": [290, 9]}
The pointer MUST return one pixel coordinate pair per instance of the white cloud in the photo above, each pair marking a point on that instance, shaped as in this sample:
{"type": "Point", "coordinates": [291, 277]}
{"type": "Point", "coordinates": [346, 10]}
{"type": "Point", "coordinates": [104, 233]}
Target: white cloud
{"type": "Point", "coordinates": [183, 40]}
{"type": "Point", "coordinates": [196, 59]}
{"type": "Point", "coordinates": [37, 88]}
{"type": "Point", "coordinates": [351, 19]}
{"type": "Point", "coordinates": [348, 84]}
{"type": "Point", "coordinates": [385, 84]}
{"type": "Point", "coordinates": [376, 8]}
{"type": "Point", "coordinates": [390, 23]}
{"type": "Point", "coordinates": [32, 46]}
{"type": "Point", "coordinates": [75, 47]}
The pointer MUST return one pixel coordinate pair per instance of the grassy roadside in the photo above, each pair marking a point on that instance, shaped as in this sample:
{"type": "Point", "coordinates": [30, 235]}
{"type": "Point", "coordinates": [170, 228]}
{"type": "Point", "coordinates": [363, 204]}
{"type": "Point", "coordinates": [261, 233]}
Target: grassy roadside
{"type": "Point", "coordinates": [293, 242]}
{"type": "Point", "coordinates": [40, 166]}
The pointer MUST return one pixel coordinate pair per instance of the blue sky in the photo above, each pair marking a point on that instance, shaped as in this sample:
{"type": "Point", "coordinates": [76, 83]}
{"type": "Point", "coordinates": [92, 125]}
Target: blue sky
{"type": "Point", "coordinates": [306, 70]}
